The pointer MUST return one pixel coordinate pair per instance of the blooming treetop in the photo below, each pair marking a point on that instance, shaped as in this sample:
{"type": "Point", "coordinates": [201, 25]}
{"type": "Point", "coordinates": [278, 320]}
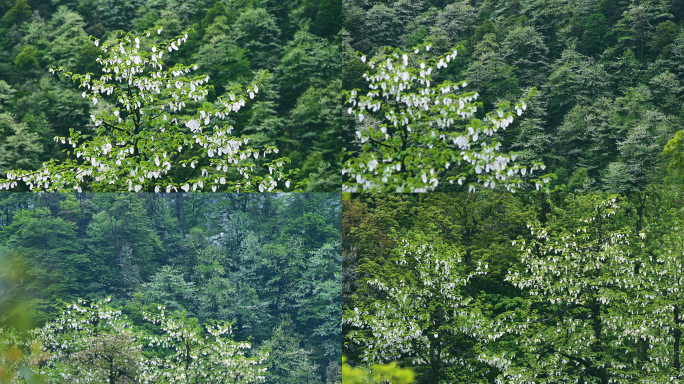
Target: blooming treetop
{"type": "Point", "coordinates": [91, 343]}
{"type": "Point", "coordinates": [196, 357]}
{"type": "Point", "coordinates": [147, 137]}
{"type": "Point", "coordinates": [416, 130]}
{"type": "Point", "coordinates": [588, 312]}
{"type": "Point", "coordinates": [420, 310]}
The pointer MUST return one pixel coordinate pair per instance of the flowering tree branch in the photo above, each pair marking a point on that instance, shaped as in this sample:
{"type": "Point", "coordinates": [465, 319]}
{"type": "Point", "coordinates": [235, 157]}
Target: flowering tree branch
{"type": "Point", "coordinates": [144, 140]}
{"type": "Point", "coordinates": [417, 130]}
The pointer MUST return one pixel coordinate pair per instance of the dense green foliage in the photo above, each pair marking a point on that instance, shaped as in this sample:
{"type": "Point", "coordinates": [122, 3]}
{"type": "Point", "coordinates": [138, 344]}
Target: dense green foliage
{"type": "Point", "coordinates": [493, 288]}
{"type": "Point", "coordinates": [267, 267]}
{"type": "Point", "coordinates": [298, 108]}
{"type": "Point", "coordinates": [380, 373]}
{"type": "Point", "coordinates": [609, 74]}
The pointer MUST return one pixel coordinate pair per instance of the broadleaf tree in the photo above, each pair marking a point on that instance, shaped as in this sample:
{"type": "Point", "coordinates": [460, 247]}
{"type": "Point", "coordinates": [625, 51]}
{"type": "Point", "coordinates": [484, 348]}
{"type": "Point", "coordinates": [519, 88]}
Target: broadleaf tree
{"type": "Point", "coordinates": [417, 130]}
{"type": "Point", "coordinates": [199, 356]}
{"type": "Point", "coordinates": [19, 357]}
{"type": "Point", "coordinates": [665, 268]}
{"type": "Point", "coordinates": [379, 373]}
{"type": "Point", "coordinates": [158, 134]}
{"type": "Point", "coordinates": [422, 313]}
{"type": "Point", "coordinates": [91, 343]}
{"type": "Point", "coordinates": [94, 343]}
{"type": "Point", "coordinates": [588, 314]}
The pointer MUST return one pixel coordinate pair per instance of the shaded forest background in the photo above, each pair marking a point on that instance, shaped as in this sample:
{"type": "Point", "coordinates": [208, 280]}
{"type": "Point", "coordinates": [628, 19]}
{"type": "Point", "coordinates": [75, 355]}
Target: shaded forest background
{"type": "Point", "coordinates": [609, 72]}
{"type": "Point", "coordinates": [297, 41]}
{"type": "Point", "coordinates": [272, 263]}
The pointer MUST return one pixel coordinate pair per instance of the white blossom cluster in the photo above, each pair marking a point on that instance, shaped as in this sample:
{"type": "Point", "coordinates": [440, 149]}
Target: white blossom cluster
{"type": "Point", "coordinates": [89, 343]}
{"type": "Point", "coordinates": [140, 139]}
{"type": "Point", "coordinates": [426, 129]}
{"type": "Point", "coordinates": [84, 332]}
{"type": "Point", "coordinates": [598, 303]}
{"type": "Point", "coordinates": [418, 315]}
{"type": "Point", "coordinates": [599, 296]}
{"type": "Point", "coordinates": [198, 358]}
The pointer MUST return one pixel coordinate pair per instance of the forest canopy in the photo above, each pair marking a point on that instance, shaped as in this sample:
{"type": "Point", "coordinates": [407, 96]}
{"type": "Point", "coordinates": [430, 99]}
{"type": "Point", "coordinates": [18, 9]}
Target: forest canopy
{"type": "Point", "coordinates": [297, 109]}
{"type": "Point", "coordinates": [515, 288]}
{"type": "Point", "coordinates": [608, 114]}
{"type": "Point", "coordinates": [254, 277]}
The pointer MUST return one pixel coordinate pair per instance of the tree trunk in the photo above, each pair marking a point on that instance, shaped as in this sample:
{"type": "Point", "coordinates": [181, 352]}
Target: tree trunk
{"type": "Point", "coordinates": [598, 346]}
{"type": "Point", "coordinates": [677, 337]}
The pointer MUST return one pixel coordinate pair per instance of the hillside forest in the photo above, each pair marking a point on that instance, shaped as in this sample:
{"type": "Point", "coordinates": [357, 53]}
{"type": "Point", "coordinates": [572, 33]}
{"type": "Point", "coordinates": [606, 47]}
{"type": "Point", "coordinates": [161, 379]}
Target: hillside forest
{"type": "Point", "coordinates": [514, 288]}
{"type": "Point", "coordinates": [602, 85]}
{"type": "Point", "coordinates": [290, 48]}
{"type": "Point", "coordinates": [177, 288]}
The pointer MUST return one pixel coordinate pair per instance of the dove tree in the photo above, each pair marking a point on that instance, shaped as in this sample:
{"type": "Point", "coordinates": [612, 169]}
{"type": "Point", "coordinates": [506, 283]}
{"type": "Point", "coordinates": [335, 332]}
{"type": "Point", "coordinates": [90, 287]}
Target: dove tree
{"type": "Point", "coordinates": [422, 316]}
{"type": "Point", "coordinates": [197, 356]}
{"type": "Point", "coordinates": [94, 343]}
{"type": "Point", "coordinates": [665, 266]}
{"type": "Point", "coordinates": [416, 134]}
{"type": "Point", "coordinates": [588, 316]}
{"type": "Point", "coordinates": [91, 343]}
{"type": "Point", "coordinates": [158, 133]}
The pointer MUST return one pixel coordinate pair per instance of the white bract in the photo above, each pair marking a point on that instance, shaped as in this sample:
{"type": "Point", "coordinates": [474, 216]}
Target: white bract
{"type": "Point", "coordinates": [421, 314]}
{"type": "Point", "coordinates": [201, 357]}
{"type": "Point", "coordinates": [411, 130]}
{"type": "Point", "coordinates": [588, 311]}
{"type": "Point", "coordinates": [147, 121]}
{"type": "Point", "coordinates": [91, 343]}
